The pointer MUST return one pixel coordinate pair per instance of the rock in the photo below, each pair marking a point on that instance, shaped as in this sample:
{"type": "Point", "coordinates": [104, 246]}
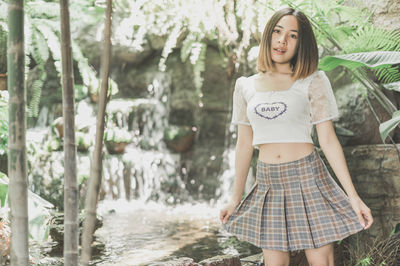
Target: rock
{"type": "Point", "coordinates": [252, 260]}
{"type": "Point", "coordinates": [58, 125]}
{"type": "Point", "coordinates": [375, 172]}
{"type": "Point", "coordinates": [385, 13]}
{"type": "Point", "coordinates": [222, 260]}
{"type": "Point", "coordinates": [356, 116]}
{"type": "Point", "coordinates": [57, 227]}
{"type": "Point", "coordinates": [184, 261]}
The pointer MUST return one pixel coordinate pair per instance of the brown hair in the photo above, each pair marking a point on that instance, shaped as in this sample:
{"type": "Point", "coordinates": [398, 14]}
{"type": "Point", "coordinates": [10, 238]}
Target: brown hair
{"type": "Point", "coordinates": [305, 60]}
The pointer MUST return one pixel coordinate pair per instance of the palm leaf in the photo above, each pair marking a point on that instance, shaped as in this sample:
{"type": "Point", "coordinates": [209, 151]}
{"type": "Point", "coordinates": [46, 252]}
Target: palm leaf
{"type": "Point", "coordinates": [386, 127]}
{"type": "Point", "coordinates": [394, 86]}
{"type": "Point", "coordinates": [376, 59]}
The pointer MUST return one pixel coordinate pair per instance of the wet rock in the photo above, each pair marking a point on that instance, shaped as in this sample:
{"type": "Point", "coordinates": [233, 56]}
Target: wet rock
{"type": "Point", "coordinates": [57, 227]}
{"type": "Point", "coordinates": [252, 260]}
{"type": "Point", "coordinates": [184, 261]}
{"type": "Point", "coordinates": [222, 260]}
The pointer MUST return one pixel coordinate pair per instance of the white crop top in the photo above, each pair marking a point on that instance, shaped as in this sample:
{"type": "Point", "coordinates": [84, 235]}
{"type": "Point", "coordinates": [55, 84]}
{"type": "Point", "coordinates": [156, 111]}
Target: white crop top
{"type": "Point", "coordinates": [284, 116]}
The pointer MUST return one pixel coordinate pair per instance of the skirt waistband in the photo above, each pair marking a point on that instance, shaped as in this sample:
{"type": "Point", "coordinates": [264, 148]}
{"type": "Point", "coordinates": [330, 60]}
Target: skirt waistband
{"type": "Point", "coordinates": [308, 158]}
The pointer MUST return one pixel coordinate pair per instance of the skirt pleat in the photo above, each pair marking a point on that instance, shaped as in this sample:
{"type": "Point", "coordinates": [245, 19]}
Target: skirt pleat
{"type": "Point", "coordinates": [292, 206]}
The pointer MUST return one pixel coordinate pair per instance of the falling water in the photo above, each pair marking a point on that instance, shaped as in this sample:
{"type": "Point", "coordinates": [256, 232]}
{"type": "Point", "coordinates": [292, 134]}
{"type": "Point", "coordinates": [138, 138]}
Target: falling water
{"type": "Point", "coordinates": [160, 221]}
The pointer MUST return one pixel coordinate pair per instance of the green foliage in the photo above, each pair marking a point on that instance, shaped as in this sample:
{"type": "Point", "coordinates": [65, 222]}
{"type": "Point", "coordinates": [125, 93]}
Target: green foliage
{"type": "Point", "coordinates": [173, 132]}
{"type": "Point", "coordinates": [43, 42]}
{"type": "Point", "coordinates": [377, 59]}
{"type": "Point", "coordinates": [350, 31]}
{"type": "Point", "coordinates": [364, 262]}
{"type": "Point", "coordinates": [117, 135]}
{"type": "Point", "coordinates": [84, 141]}
{"type": "Point", "coordinates": [39, 211]}
{"type": "Point", "coordinates": [373, 60]}
{"type": "Point", "coordinates": [395, 230]}
{"type": "Point", "coordinates": [395, 86]}
{"type": "Point", "coordinates": [386, 127]}
{"type": "Point", "coordinates": [367, 38]}
{"type": "Point", "coordinates": [3, 194]}
{"type": "Point", "coordinates": [192, 26]}
{"type": "Point", "coordinates": [3, 123]}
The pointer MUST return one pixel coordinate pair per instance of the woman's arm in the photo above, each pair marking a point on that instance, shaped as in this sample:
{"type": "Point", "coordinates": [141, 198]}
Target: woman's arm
{"type": "Point", "coordinates": [243, 155]}
{"type": "Point", "coordinates": [333, 151]}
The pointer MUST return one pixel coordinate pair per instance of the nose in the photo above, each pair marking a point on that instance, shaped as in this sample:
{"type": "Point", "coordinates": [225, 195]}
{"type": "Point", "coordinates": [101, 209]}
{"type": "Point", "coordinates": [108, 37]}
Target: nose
{"type": "Point", "coordinates": [282, 39]}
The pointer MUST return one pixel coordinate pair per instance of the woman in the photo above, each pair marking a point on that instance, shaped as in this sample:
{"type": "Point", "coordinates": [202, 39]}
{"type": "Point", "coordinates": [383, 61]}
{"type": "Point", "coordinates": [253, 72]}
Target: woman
{"type": "Point", "coordinates": [295, 203]}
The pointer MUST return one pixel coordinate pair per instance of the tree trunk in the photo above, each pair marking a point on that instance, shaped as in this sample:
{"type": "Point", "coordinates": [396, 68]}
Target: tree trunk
{"type": "Point", "coordinates": [18, 190]}
{"type": "Point", "coordinates": [96, 164]}
{"type": "Point", "coordinates": [71, 228]}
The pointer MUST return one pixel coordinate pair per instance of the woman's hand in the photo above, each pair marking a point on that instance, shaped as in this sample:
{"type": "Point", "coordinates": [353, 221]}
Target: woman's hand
{"type": "Point", "coordinates": [227, 211]}
{"type": "Point", "coordinates": [363, 212]}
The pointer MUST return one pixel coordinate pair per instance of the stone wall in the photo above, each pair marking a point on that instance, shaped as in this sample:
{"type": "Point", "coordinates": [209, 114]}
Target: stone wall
{"type": "Point", "coordinates": [375, 172]}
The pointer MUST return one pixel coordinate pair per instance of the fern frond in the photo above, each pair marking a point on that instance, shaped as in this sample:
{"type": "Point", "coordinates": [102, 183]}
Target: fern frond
{"type": "Point", "coordinates": [187, 46]}
{"type": "Point", "coordinates": [53, 43]}
{"type": "Point", "coordinates": [40, 51]}
{"type": "Point", "coordinates": [369, 38]}
{"type": "Point", "coordinates": [87, 72]}
{"type": "Point", "coordinates": [169, 45]}
{"type": "Point", "coordinates": [388, 74]}
{"type": "Point", "coordinates": [33, 105]}
{"type": "Point", "coordinates": [42, 9]}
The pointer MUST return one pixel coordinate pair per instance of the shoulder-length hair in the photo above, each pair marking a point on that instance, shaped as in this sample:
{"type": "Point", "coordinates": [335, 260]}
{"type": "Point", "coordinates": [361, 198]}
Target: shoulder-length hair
{"type": "Point", "coordinates": [305, 60]}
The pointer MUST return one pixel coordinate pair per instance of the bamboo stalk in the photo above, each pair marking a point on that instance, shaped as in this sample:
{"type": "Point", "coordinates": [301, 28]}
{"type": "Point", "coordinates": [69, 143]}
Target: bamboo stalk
{"type": "Point", "coordinates": [71, 225]}
{"type": "Point", "coordinates": [96, 165]}
{"type": "Point", "coordinates": [18, 186]}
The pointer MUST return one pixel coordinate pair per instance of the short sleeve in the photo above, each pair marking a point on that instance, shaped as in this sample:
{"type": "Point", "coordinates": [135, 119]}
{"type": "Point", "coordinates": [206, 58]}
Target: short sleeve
{"type": "Point", "coordinates": [239, 109]}
{"type": "Point", "coordinates": [322, 100]}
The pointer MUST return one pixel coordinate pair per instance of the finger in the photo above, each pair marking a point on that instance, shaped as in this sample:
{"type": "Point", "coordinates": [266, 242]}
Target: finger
{"type": "Point", "coordinates": [222, 215]}
{"type": "Point", "coordinates": [226, 218]}
{"type": "Point", "coordinates": [369, 219]}
{"type": "Point", "coordinates": [360, 218]}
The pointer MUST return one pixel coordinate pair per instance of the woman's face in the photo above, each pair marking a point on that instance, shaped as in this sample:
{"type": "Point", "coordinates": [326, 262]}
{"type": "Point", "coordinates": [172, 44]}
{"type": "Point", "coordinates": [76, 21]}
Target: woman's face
{"type": "Point", "coordinates": [284, 39]}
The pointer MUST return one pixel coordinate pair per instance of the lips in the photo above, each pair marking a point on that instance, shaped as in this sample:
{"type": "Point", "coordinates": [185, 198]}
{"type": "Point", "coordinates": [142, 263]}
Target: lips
{"type": "Point", "coordinates": [279, 51]}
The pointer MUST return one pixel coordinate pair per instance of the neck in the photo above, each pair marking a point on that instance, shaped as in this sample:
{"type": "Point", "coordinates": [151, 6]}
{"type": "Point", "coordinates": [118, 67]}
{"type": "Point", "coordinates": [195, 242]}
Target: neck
{"type": "Point", "coordinates": [282, 68]}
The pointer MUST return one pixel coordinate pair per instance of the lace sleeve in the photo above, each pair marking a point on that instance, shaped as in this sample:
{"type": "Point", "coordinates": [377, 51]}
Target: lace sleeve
{"type": "Point", "coordinates": [322, 99]}
{"type": "Point", "coordinates": [239, 109]}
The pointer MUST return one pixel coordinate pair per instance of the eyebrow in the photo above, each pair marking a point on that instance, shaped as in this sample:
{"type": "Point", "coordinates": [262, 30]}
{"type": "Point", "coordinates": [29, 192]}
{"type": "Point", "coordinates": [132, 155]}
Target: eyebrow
{"type": "Point", "coordinates": [282, 28]}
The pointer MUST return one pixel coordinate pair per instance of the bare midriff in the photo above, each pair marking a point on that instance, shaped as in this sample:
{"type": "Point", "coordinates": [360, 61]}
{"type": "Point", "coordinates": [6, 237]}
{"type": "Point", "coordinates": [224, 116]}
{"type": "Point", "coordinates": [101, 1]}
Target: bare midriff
{"type": "Point", "coordinates": [283, 152]}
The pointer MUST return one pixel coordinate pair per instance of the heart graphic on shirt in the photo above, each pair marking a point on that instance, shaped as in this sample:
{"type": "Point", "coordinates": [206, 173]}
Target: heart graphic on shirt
{"type": "Point", "coordinates": [270, 110]}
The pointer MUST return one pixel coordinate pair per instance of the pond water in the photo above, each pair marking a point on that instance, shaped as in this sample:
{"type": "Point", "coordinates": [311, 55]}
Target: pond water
{"type": "Point", "coordinates": [138, 233]}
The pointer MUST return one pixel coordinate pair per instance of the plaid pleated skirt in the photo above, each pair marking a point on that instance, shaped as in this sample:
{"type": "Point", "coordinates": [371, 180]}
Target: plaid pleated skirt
{"type": "Point", "coordinates": [292, 206]}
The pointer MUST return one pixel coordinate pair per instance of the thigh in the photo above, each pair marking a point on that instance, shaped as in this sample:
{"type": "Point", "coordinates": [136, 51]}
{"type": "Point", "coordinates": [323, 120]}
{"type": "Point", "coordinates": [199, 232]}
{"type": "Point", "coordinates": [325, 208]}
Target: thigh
{"type": "Point", "coordinates": [321, 256]}
{"type": "Point", "coordinates": [276, 257]}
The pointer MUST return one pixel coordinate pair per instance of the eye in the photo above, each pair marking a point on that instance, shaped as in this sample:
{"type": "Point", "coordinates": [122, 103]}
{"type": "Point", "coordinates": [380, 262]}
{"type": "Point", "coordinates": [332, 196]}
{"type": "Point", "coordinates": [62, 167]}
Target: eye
{"type": "Point", "coordinates": [293, 36]}
{"type": "Point", "coordinates": [276, 30]}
